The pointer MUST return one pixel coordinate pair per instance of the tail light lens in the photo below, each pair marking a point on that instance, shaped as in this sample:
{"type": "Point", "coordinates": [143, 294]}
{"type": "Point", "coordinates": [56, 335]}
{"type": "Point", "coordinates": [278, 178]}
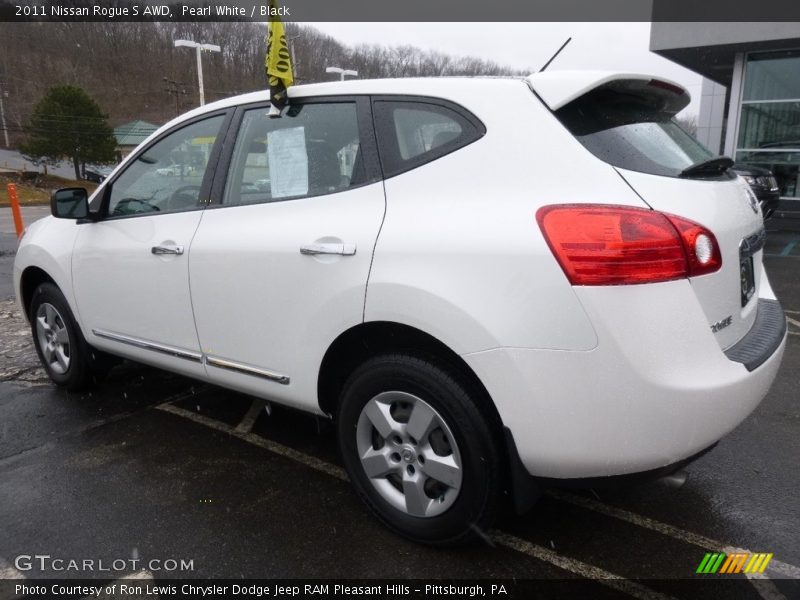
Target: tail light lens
{"type": "Point", "coordinates": [619, 245]}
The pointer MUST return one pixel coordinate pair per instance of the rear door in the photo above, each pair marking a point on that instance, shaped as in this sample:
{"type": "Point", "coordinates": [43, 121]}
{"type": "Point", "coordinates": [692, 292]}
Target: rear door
{"type": "Point", "coordinates": [629, 124]}
{"type": "Point", "coordinates": [279, 264]}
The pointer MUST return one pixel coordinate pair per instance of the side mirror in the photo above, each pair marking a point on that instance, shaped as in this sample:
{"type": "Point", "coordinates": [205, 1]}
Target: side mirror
{"type": "Point", "coordinates": [70, 203]}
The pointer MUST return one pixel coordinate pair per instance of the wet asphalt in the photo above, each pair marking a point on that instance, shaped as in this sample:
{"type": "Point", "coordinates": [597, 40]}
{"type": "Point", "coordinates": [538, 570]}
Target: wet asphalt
{"type": "Point", "coordinates": [112, 475]}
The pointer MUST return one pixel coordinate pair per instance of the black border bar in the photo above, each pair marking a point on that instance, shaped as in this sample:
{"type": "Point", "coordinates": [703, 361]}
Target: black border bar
{"type": "Point", "coordinates": [404, 10]}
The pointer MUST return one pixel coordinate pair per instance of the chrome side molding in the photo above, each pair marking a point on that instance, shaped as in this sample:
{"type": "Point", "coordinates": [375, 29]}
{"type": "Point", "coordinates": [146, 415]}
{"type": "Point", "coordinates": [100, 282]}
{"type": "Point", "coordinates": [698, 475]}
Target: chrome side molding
{"type": "Point", "coordinates": [221, 363]}
{"type": "Point", "coordinates": [213, 361]}
{"type": "Point", "coordinates": [147, 345]}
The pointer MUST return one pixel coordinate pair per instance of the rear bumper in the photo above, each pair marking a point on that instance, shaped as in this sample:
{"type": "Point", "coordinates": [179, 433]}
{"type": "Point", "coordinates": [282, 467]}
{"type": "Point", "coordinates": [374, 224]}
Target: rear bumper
{"type": "Point", "coordinates": [764, 337]}
{"type": "Point", "coordinates": [527, 489]}
{"type": "Point", "coordinates": [655, 391]}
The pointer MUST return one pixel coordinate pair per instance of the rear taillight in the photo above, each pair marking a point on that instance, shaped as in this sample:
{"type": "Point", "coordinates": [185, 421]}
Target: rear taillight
{"type": "Point", "coordinates": [618, 245]}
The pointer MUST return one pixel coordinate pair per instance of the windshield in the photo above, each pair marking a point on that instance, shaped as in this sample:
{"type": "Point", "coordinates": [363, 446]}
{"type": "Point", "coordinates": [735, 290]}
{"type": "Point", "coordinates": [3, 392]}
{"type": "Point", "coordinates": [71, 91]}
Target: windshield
{"type": "Point", "coordinates": [632, 131]}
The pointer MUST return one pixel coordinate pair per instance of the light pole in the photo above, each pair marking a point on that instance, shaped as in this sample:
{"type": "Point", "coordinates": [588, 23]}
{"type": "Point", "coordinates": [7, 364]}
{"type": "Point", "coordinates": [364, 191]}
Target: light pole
{"type": "Point", "coordinates": [199, 48]}
{"type": "Point", "coordinates": [3, 115]}
{"type": "Point", "coordinates": [341, 72]}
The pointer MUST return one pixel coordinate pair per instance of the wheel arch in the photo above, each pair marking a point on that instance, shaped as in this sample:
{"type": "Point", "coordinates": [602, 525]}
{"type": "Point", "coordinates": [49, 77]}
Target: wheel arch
{"type": "Point", "coordinates": [359, 343]}
{"type": "Point", "coordinates": [365, 340]}
{"type": "Point", "coordinates": [32, 277]}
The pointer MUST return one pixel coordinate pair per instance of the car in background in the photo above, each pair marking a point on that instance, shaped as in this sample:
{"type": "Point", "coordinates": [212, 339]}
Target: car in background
{"type": "Point", "coordinates": [485, 302]}
{"type": "Point", "coordinates": [763, 184]}
{"type": "Point", "coordinates": [174, 170]}
{"type": "Point", "coordinates": [97, 174]}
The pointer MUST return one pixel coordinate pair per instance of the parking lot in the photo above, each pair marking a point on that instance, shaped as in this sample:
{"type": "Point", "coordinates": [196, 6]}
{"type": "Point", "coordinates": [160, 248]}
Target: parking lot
{"type": "Point", "coordinates": [150, 467]}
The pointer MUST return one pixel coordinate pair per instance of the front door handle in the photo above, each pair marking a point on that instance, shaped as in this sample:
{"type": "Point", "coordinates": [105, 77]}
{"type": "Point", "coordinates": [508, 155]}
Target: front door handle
{"type": "Point", "coordinates": [329, 248]}
{"type": "Point", "coordinates": [167, 249]}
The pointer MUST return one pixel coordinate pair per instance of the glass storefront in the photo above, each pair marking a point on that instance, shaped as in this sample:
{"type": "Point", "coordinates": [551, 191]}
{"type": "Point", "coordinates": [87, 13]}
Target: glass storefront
{"type": "Point", "coordinates": [769, 127]}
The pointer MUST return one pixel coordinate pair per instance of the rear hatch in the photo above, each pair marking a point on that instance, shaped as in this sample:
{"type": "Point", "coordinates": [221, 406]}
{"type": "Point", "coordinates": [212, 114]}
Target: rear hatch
{"type": "Point", "coordinates": [628, 121]}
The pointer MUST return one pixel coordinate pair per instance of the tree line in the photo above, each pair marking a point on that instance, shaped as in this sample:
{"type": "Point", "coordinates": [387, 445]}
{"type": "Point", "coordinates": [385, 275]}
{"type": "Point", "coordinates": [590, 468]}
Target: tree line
{"type": "Point", "coordinates": [133, 71]}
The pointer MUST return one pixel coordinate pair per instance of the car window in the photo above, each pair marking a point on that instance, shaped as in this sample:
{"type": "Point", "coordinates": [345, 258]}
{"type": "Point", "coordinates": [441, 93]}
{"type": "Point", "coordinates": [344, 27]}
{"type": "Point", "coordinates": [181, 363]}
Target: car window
{"type": "Point", "coordinates": [311, 150]}
{"type": "Point", "coordinates": [167, 177]}
{"type": "Point", "coordinates": [632, 129]}
{"type": "Point", "coordinates": [413, 133]}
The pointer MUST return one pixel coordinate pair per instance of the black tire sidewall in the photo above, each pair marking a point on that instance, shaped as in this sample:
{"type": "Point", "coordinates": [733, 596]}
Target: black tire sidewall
{"type": "Point", "coordinates": [77, 373]}
{"type": "Point", "coordinates": [476, 506]}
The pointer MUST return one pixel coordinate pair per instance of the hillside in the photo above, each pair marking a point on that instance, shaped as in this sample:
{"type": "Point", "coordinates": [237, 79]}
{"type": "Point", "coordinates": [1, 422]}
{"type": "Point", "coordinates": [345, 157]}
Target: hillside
{"type": "Point", "coordinates": [133, 71]}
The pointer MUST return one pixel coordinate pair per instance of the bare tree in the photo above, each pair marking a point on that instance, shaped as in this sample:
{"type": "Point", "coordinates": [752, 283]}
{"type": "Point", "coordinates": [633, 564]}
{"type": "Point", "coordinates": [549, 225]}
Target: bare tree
{"type": "Point", "coordinates": [123, 65]}
{"type": "Point", "coordinates": [688, 123]}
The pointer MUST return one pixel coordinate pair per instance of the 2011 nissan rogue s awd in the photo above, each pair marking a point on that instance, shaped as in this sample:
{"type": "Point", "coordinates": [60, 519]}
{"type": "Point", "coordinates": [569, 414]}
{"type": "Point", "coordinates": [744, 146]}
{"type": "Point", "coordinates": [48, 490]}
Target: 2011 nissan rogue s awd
{"type": "Point", "coordinates": [486, 282]}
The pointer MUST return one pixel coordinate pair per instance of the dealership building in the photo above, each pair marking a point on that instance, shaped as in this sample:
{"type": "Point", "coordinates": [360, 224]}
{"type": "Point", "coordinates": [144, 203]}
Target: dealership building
{"type": "Point", "coordinates": [750, 108]}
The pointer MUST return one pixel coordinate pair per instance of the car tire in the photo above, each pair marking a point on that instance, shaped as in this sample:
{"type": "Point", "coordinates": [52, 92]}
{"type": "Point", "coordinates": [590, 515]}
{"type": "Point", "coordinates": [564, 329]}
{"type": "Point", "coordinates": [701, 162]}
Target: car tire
{"type": "Point", "coordinates": [419, 450]}
{"type": "Point", "coordinates": [62, 350]}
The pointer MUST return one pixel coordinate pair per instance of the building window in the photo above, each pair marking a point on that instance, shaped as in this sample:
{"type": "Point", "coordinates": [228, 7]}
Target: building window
{"type": "Point", "coordinates": [769, 126]}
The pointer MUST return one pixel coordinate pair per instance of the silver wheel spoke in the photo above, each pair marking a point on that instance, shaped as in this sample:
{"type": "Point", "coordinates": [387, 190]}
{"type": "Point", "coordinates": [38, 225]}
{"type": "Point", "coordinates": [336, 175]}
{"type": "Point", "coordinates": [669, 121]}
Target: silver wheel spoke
{"type": "Point", "coordinates": [52, 338]}
{"type": "Point", "coordinates": [42, 324]}
{"type": "Point", "coordinates": [63, 361]}
{"type": "Point", "coordinates": [378, 414]}
{"type": "Point", "coordinates": [416, 501]}
{"type": "Point", "coordinates": [421, 422]}
{"type": "Point", "coordinates": [50, 315]}
{"type": "Point", "coordinates": [62, 337]}
{"type": "Point", "coordinates": [377, 463]}
{"type": "Point", "coordinates": [442, 468]}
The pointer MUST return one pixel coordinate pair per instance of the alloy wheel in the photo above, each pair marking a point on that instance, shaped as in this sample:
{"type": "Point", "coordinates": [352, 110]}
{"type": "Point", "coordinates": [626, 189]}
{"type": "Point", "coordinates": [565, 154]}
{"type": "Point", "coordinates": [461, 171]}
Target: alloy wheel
{"type": "Point", "coordinates": [409, 454]}
{"type": "Point", "coordinates": [53, 338]}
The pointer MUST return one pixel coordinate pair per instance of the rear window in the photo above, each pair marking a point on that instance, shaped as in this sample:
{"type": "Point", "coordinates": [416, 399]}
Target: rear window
{"type": "Point", "coordinates": [630, 124]}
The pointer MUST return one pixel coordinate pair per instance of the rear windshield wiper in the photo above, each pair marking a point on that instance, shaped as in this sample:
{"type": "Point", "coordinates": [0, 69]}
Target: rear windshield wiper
{"type": "Point", "coordinates": [712, 166]}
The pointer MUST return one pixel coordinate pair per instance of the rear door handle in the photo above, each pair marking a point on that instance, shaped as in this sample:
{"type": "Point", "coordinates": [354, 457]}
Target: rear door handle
{"type": "Point", "coordinates": [328, 248]}
{"type": "Point", "coordinates": [167, 249]}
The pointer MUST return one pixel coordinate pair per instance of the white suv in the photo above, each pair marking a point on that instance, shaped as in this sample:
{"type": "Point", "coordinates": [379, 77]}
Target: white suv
{"type": "Point", "coordinates": [488, 283]}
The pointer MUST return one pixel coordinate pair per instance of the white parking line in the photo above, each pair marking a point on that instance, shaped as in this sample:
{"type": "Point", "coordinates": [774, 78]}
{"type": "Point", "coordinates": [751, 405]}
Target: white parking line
{"type": "Point", "coordinates": [790, 571]}
{"type": "Point", "coordinates": [249, 419]}
{"type": "Point", "coordinates": [765, 588]}
{"type": "Point", "coordinates": [132, 578]}
{"type": "Point", "coordinates": [257, 440]}
{"type": "Point", "coordinates": [794, 322]}
{"type": "Point", "coordinates": [539, 552]}
{"type": "Point", "coordinates": [575, 566]}
{"type": "Point", "coordinates": [9, 572]}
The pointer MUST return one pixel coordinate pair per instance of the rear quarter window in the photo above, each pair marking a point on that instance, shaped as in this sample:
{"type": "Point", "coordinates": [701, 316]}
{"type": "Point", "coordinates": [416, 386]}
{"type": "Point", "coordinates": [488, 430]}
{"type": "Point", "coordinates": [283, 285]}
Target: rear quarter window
{"type": "Point", "coordinates": [414, 132]}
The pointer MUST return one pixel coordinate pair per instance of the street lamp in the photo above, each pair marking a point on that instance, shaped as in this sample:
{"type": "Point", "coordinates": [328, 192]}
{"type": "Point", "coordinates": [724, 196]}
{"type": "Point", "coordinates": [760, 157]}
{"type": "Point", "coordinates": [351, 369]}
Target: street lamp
{"type": "Point", "coordinates": [3, 95]}
{"type": "Point", "coordinates": [341, 72]}
{"type": "Point", "coordinates": [199, 48]}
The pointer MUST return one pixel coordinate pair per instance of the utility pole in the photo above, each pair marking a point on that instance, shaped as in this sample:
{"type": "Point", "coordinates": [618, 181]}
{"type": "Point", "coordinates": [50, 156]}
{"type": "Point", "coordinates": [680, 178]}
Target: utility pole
{"type": "Point", "coordinates": [176, 89]}
{"type": "Point", "coordinates": [3, 109]}
{"type": "Point", "coordinates": [199, 48]}
{"type": "Point", "coordinates": [295, 62]}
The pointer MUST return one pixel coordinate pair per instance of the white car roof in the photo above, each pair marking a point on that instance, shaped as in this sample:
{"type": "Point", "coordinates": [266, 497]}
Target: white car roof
{"type": "Point", "coordinates": [556, 88]}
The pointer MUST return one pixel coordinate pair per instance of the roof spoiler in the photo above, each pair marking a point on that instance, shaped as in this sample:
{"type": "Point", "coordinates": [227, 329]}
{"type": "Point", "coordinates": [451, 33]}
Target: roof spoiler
{"type": "Point", "coordinates": [559, 88]}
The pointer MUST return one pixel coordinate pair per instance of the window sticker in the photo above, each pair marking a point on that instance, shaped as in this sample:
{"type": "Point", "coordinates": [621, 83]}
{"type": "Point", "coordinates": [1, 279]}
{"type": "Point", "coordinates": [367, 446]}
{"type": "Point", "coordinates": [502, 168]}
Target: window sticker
{"type": "Point", "coordinates": [288, 162]}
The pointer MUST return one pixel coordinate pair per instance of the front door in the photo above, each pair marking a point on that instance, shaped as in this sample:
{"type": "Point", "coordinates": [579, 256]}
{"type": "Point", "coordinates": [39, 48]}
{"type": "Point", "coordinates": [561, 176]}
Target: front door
{"type": "Point", "coordinates": [130, 269]}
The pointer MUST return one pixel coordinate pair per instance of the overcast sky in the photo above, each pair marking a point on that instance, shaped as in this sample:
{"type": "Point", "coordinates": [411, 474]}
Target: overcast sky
{"type": "Point", "coordinates": [614, 46]}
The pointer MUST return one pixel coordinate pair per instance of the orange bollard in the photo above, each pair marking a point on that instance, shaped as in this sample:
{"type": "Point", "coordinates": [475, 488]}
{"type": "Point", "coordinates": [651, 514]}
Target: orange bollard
{"type": "Point", "coordinates": [19, 225]}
